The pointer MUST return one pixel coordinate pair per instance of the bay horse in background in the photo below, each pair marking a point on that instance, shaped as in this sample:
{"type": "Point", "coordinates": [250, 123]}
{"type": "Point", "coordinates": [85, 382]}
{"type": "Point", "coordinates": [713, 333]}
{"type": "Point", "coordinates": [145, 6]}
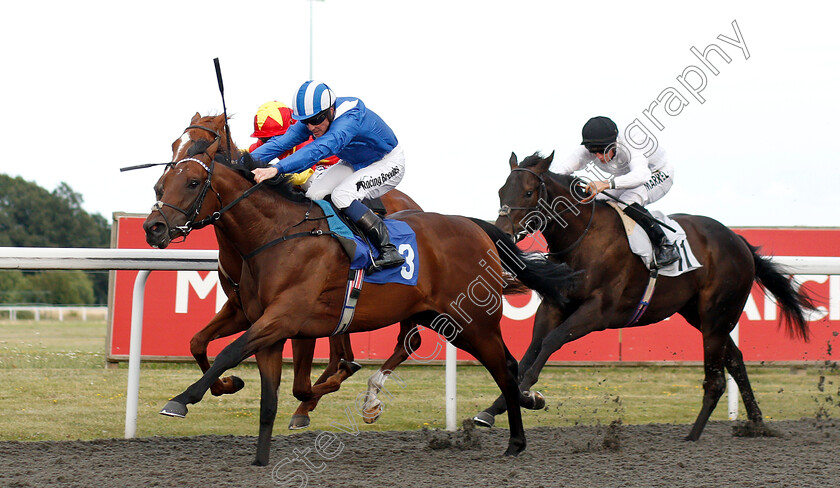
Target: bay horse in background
{"type": "Point", "coordinates": [196, 138]}
{"type": "Point", "coordinates": [295, 289]}
{"type": "Point", "coordinates": [591, 237]}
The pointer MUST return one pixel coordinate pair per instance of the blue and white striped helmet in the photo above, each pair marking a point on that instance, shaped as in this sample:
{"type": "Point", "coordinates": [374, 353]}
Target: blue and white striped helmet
{"type": "Point", "coordinates": [312, 98]}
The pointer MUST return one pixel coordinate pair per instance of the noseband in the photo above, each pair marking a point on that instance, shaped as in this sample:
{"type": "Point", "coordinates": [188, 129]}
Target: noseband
{"type": "Point", "coordinates": [192, 212]}
{"type": "Point", "coordinates": [504, 211]}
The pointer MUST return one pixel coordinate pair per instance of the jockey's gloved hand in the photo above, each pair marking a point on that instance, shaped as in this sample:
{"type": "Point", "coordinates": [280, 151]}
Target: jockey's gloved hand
{"type": "Point", "coordinates": [302, 177]}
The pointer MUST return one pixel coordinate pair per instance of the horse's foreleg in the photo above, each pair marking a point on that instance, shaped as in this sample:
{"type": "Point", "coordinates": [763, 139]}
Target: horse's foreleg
{"type": "Point", "coordinates": [302, 352]}
{"type": "Point", "coordinates": [577, 325]}
{"type": "Point", "coordinates": [270, 363]}
{"type": "Point", "coordinates": [228, 321]}
{"type": "Point", "coordinates": [264, 333]}
{"type": "Point", "coordinates": [372, 408]}
{"type": "Point", "coordinates": [340, 367]}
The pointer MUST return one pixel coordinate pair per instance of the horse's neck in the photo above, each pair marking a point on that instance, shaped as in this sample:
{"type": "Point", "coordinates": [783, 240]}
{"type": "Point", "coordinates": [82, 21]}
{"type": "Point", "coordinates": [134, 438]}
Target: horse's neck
{"type": "Point", "coordinates": [254, 220]}
{"type": "Point", "coordinates": [566, 222]}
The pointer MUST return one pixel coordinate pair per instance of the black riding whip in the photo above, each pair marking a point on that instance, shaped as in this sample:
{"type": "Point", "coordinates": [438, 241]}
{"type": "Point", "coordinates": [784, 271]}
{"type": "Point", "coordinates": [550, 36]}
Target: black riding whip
{"type": "Point", "coordinates": [224, 107]}
{"type": "Point", "coordinates": [141, 166]}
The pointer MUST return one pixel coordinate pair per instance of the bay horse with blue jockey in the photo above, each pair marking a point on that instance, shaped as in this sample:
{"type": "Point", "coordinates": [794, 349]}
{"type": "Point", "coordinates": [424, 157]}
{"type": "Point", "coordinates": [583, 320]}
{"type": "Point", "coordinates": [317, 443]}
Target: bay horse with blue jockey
{"type": "Point", "coordinates": [196, 138]}
{"type": "Point", "coordinates": [293, 279]}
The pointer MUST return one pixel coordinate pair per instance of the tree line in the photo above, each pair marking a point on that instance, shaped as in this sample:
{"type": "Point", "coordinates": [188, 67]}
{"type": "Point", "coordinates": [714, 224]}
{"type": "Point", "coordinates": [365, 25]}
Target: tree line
{"type": "Point", "coordinates": [31, 216]}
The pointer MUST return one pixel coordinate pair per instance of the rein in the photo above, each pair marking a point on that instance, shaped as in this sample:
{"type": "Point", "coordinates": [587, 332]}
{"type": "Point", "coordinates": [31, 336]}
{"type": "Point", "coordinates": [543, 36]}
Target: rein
{"type": "Point", "coordinates": [285, 237]}
{"type": "Point", "coordinates": [195, 208]}
{"type": "Point", "coordinates": [543, 193]}
{"type": "Point", "coordinates": [192, 212]}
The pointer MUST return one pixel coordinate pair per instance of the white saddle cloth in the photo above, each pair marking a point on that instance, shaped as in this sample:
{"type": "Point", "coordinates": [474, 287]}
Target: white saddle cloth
{"type": "Point", "coordinates": [641, 246]}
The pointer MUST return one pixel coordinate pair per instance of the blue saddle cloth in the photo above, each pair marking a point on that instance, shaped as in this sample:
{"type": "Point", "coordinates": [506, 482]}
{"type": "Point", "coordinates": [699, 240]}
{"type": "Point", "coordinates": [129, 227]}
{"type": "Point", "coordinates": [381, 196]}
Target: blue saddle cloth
{"type": "Point", "coordinates": [402, 236]}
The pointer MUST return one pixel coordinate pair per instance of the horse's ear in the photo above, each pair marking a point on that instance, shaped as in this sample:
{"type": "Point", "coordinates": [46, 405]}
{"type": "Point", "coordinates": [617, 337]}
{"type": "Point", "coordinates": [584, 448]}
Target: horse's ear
{"type": "Point", "coordinates": [544, 163]}
{"type": "Point", "coordinates": [213, 148]}
{"type": "Point", "coordinates": [514, 162]}
{"type": "Point", "coordinates": [195, 118]}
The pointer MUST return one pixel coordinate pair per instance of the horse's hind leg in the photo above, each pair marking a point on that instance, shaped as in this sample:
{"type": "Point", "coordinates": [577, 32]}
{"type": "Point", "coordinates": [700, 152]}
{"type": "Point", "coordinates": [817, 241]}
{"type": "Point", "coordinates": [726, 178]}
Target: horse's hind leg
{"type": "Point", "coordinates": [735, 366]}
{"type": "Point", "coordinates": [714, 383]}
{"type": "Point", "coordinates": [228, 321]}
{"type": "Point", "coordinates": [408, 341]}
{"type": "Point", "coordinates": [270, 363]}
{"type": "Point", "coordinates": [491, 351]}
{"type": "Point", "coordinates": [547, 318]}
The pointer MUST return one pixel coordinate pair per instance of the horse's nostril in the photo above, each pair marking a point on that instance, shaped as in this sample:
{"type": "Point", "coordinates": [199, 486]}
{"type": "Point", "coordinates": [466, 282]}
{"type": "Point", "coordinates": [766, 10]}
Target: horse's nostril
{"type": "Point", "coordinates": [154, 228]}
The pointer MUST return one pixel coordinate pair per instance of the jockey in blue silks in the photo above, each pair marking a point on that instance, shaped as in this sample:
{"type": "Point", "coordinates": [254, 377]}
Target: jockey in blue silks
{"type": "Point", "coordinates": [372, 161]}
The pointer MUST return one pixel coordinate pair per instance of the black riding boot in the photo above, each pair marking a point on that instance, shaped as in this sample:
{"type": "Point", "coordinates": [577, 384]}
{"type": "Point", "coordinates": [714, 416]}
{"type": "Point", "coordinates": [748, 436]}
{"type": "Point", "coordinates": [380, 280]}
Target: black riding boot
{"type": "Point", "coordinates": [664, 252]}
{"type": "Point", "coordinates": [375, 230]}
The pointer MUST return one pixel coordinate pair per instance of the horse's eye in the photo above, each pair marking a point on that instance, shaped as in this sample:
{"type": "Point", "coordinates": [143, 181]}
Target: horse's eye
{"type": "Point", "coordinates": [193, 184]}
{"type": "Point", "coordinates": [529, 194]}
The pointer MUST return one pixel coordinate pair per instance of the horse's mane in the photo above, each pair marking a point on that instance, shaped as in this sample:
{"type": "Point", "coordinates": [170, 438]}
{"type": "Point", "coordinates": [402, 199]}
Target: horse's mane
{"type": "Point", "coordinates": [535, 159]}
{"type": "Point", "coordinates": [282, 186]}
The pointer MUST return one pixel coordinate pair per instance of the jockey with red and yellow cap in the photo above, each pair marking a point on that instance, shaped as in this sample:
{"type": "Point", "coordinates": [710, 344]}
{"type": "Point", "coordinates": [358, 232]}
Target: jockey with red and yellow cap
{"type": "Point", "coordinates": [274, 119]}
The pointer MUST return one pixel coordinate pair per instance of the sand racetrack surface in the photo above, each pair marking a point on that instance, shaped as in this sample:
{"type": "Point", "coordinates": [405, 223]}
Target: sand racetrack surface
{"type": "Point", "coordinates": [804, 453]}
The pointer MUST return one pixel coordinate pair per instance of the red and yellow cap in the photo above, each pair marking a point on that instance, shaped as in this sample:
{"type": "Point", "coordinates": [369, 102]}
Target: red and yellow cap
{"type": "Point", "coordinates": [272, 119]}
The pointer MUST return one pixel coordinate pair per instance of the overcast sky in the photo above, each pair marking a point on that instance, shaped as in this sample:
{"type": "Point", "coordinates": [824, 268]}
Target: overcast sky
{"type": "Point", "coordinates": [89, 87]}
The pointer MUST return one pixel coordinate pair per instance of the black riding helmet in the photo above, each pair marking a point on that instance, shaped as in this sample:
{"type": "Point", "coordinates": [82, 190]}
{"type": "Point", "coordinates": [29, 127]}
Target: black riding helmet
{"type": "Point", "coordinates": [598, 133]}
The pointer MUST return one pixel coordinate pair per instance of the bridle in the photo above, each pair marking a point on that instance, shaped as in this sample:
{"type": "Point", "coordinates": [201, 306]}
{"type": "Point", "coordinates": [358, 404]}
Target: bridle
{"type": "Point", "coordinates": [505, 210]}
{"type": "Point", "coordinates": [192, 212]}
{"type": "Point", "coordinates": [195, 208]}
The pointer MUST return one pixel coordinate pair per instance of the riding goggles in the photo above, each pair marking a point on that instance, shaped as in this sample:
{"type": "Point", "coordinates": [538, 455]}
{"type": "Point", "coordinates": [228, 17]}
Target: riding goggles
{"type": "Point", "coordinates": [316, 119]}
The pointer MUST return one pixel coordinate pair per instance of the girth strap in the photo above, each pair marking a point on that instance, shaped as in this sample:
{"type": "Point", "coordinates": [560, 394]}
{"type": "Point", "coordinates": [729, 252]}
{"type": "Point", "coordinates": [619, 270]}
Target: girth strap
{"type": "Point", "coordinates": [351, 296]}
{"type": "Point", "coordinates": [645, 301]}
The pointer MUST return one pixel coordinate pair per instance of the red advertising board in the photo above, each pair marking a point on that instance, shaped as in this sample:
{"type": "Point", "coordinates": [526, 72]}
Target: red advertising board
{"type": "Point", "coordinates": [179, 303]}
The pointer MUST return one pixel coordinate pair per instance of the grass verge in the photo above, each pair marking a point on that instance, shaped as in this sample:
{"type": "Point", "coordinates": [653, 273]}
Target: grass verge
{"type": "Point", "coordinates": [55, 387]}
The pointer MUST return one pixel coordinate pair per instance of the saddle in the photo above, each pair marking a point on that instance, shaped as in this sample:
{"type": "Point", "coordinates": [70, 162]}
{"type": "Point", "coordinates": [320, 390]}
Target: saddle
{"type": "Point", "coordinates": [362, 254]}
{"type": "Point", "coordinates": [376, 206]}
{"type": "Point", "coordinates": [640, 243]}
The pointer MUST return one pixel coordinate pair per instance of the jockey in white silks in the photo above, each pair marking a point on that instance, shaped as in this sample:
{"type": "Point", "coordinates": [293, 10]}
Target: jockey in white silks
{"type": "Point", "coordinates": [633, 178]}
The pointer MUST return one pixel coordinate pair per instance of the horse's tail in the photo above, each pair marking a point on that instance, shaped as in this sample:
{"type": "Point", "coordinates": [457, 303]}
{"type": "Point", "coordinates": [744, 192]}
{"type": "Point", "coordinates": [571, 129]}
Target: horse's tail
{"type": "Point", "coordinates": [794, 303]}
{"type": "Point", "coordinates": [534, 270]}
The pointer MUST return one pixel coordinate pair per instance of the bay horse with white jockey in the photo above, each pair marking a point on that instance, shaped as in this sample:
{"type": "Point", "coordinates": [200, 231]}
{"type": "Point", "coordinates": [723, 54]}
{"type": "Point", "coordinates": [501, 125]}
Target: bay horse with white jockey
{"type": "Point", "coordinates": [591, 237]}
{"type": "Point", "coordinates": [295, 287]}
{"type": "Point", "coordinates": [196, 138]}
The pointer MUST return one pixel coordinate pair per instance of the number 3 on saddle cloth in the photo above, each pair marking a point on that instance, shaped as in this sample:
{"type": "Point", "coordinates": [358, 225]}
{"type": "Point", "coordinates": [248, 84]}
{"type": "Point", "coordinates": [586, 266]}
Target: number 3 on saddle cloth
{"type": "Point", "coordinates": [361, 258]}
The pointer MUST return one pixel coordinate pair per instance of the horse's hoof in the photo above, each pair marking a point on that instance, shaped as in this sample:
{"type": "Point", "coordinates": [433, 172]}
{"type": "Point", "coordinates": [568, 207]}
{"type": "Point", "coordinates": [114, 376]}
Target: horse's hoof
{"type": "Point", "coordinates": [484, 419]}
{"type": "Point", "coordinates": [539, 400]}
{"type": "Point", "coordinates": [351, 366]}
{"type": "Point", "coordinates": [513, 451]}
{"type": "Point", "coordinates": [258, 462]}
{"type": "Point", "coordinates": [174, 409]}
{"type": "Point", "coordinates": [371, 415]}
{"type": "Point", "coordinates": [238, 384]}
{"type": "Point", "coordinates": [299, 422]}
